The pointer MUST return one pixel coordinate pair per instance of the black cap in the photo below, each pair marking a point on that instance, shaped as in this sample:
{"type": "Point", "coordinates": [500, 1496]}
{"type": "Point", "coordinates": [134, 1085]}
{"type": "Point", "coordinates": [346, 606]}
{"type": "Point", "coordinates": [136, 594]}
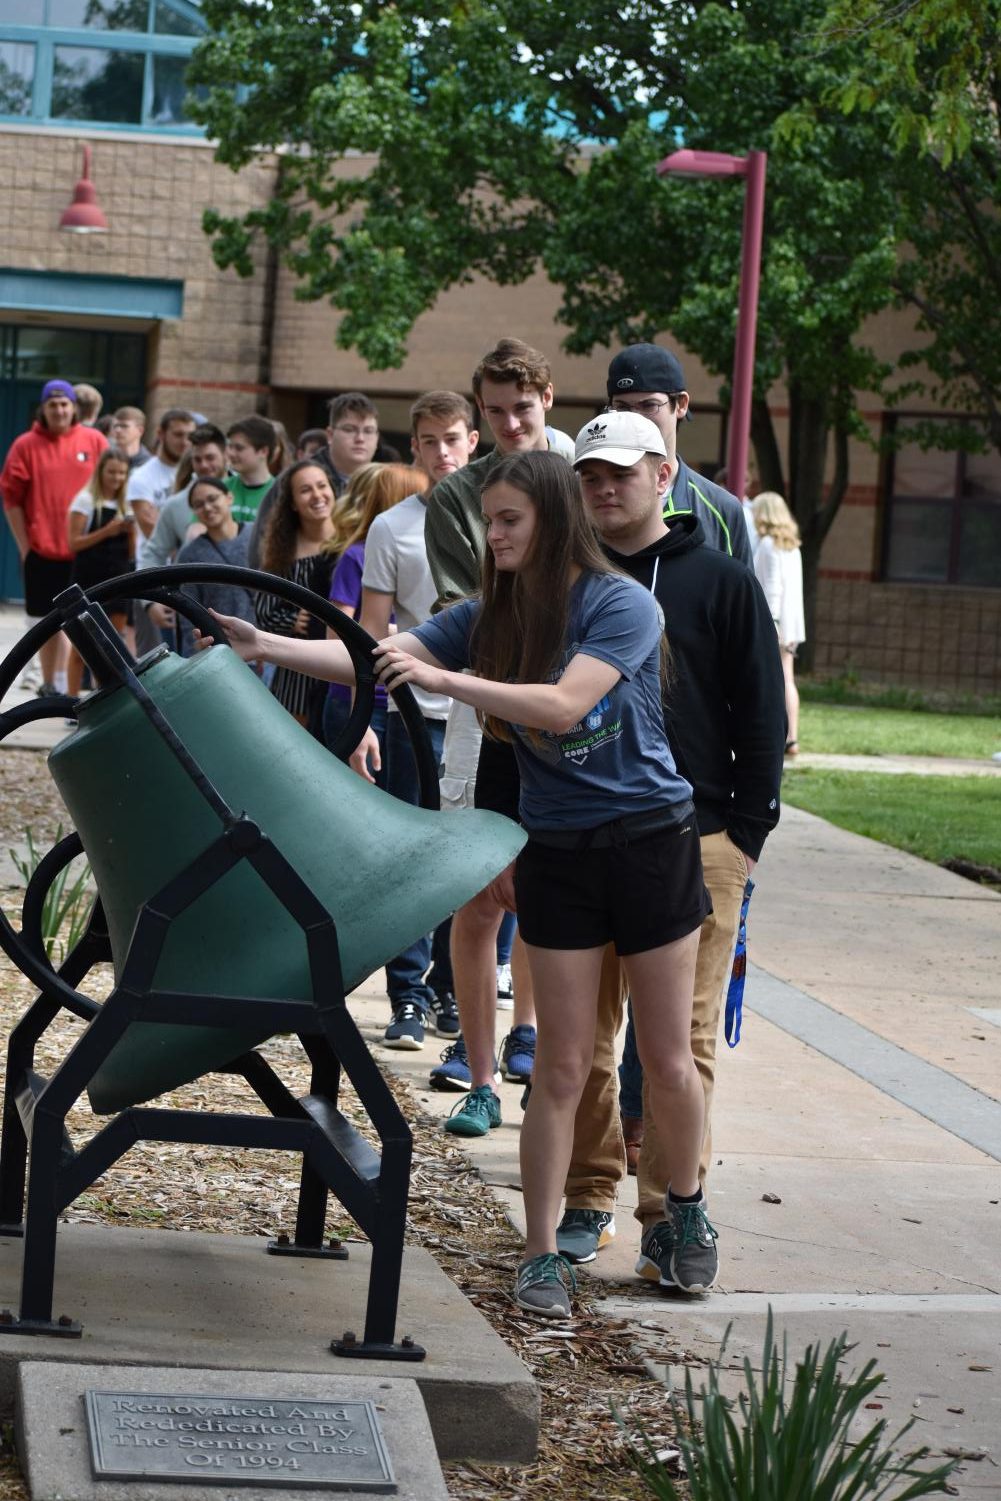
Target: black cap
{"type": "Point", "coordinates": [645, 367]}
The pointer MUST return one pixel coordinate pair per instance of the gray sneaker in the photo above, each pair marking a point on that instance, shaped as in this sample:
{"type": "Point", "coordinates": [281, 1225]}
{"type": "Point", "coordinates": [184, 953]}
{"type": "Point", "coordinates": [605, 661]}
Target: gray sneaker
{"type": "Point", "coordinates": [680, 1251]}
{"type": "Point", "coordinates": [581, 1233]}
{"type": "Point", "coordinates": [544, 1286]}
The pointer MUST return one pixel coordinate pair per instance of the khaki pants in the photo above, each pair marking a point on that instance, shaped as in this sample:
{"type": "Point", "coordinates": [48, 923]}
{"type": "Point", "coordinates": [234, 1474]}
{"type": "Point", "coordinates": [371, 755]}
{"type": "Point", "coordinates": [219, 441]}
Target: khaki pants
{"type": "Point", "coordinates": [598, 1163]}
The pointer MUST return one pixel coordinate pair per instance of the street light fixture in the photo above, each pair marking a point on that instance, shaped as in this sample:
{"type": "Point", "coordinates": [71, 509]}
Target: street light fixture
{"type": "Point", "coordinates": [84, 215]}
{"type": "Point", "coordinates": [686, 163]}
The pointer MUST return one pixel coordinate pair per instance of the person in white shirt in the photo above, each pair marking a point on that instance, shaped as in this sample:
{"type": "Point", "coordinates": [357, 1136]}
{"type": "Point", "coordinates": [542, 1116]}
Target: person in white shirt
{"type": "Point", "coordinates": [779, 568]}
{"type": "Point", "coordinates": [151, 484]}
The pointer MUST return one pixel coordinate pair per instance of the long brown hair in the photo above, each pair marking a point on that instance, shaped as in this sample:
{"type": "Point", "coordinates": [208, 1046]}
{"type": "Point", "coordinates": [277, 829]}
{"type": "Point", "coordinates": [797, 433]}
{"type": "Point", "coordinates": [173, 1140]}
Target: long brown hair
{"type": "Point", "coordinates": [521, 630]}
{"type": "Point", "coordinates": [282, 531]}
{"type": "Point", "coordinates": [391, 484]}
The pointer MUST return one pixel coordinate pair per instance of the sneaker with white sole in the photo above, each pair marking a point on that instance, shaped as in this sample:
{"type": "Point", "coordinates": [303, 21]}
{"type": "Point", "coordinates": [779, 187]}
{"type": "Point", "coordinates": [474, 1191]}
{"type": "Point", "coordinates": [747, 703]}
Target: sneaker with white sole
{"type": "Point", "coordinates": [581, 1233]}
{"type": "Point", "coordinates": [680, 1251]}
{"type": "Point", "coordinates": [544, 1285]}
{"type": "Point", "coordinates": [446, 1014]}
{"type": "Point", "coordinates": [406, 1030]}
{"type": "Point", "coordinates": [505, 988]}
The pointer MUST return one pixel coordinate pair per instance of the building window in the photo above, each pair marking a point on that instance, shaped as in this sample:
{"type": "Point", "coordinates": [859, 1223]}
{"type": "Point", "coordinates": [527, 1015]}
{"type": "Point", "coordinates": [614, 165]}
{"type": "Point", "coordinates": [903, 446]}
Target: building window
{"type": "Point", "coordinates": [109, 62]}
{"type": "Point", "coordinates": [942, 517]}
{"type": "Point", "coordinates": [17, 74]}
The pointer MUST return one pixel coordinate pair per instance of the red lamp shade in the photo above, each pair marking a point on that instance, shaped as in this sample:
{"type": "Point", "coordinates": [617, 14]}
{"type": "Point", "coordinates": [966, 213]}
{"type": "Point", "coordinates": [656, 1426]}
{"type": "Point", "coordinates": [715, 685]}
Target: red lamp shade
{"type": "Point", "coordinates": [84, 215]}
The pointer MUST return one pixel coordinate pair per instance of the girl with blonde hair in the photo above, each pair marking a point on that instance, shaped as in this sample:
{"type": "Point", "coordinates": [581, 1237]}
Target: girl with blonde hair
{"type": "Point", "coordinates": [779, 567]}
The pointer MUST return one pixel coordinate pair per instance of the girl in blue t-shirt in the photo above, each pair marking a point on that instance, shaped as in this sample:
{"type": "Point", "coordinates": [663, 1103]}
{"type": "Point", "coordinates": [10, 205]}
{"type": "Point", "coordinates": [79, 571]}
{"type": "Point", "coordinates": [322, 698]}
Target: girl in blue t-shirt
{"type": "Point", "coordinates": [566, 659]}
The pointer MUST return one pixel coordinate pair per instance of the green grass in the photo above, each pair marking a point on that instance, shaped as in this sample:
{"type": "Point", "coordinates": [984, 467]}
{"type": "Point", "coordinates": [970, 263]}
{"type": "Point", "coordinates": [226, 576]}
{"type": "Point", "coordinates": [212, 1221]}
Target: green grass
{"type": "Point", "coordinates": [938, 818]}
{"type": "Point", "coordinates": [853, 730]}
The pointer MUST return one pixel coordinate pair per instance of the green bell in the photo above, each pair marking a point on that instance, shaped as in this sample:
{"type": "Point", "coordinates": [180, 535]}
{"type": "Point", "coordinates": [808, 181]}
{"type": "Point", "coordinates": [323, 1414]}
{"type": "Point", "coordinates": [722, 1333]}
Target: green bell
{"type": "Point", "coordinates": [385, 871]}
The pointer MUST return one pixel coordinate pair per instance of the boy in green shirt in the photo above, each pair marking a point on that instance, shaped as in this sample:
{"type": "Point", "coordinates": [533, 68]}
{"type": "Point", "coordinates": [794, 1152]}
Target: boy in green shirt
{"type": "Point", "coordinates": [249, 445]}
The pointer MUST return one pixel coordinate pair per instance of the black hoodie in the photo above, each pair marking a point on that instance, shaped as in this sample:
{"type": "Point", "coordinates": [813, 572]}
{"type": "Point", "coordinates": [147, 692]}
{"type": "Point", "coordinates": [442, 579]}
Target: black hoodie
{"type": "Point", "coordinates": [725, 708]}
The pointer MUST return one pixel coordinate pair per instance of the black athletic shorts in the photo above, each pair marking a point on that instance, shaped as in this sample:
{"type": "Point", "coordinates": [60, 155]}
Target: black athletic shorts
{"type": "Point", "coordinates": [498, 783]}
{"type": "Point", "coordinates": [639, 895]}
{"type": "Point", "coordinates": [44, 578]}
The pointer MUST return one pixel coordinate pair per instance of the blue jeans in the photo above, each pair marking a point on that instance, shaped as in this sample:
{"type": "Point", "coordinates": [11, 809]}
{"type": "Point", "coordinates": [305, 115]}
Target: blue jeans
{"type": "Point", "coordinates": [505, 937]}
{"type": "Point", "coordinates": [425, 968]}
{"type": "Point", "coordinates": [630, 1073]}
{"type": "Point", "coordinates": [336, 712]}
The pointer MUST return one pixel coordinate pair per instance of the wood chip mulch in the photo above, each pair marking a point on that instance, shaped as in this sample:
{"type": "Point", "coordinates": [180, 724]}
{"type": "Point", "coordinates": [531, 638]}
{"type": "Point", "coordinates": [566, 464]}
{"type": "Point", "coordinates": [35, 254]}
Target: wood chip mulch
{"type": "Point", "coordinates": [594, 1374]}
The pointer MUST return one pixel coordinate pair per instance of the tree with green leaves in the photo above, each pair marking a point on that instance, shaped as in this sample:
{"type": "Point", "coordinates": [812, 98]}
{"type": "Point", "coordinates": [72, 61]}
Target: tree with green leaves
{"type": "Point", "coordinates": [426, 143]}
{"type": "Point", "coordinates": [937, 63]}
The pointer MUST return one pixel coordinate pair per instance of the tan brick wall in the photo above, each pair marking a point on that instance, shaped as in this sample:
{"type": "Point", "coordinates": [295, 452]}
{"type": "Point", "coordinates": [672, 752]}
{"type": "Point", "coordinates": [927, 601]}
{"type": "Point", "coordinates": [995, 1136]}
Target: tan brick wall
{"type": "Point", "coordinates": [153, 193]}
{"type": "Point", "coordinates": [915, 634]}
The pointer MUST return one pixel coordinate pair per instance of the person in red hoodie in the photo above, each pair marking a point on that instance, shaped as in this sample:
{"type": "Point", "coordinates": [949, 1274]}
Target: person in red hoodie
{"type": "Point", "coordinates": [44, 470]}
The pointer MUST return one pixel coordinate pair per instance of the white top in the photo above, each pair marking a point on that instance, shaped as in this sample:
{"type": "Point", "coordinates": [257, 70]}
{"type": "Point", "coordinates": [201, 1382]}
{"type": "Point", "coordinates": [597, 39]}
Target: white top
{"type": "Point", "coordinates": [780, 574]}
{"type": "Point", "coordinates": [153, 482]}
{"type": "Point", "coordinates": [396, 563]}
{"type": "Point", "coordinates": [84, 505]}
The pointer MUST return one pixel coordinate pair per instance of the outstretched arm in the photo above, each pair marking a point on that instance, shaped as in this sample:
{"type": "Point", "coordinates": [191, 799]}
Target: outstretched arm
{"type": "Point", "coordinates": [328, 660]}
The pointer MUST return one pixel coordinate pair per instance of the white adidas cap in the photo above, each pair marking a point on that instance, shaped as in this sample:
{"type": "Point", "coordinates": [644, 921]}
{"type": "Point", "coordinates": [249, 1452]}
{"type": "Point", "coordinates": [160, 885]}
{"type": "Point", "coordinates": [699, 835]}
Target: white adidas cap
{"type": "Point", "coordinates": [619, 438]}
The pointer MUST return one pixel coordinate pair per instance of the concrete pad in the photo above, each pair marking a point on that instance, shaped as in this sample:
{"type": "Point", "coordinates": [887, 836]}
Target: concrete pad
{"type": "Point", "coordinates": [53, 1445]}
{"type": "Point", "coordinates": [219, 1301]}
{"type": "Point", "coordinates": [923, 766]}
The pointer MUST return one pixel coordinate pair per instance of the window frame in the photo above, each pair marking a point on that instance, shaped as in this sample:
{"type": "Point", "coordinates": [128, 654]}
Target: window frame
{"type": "Point", "coordinates": [957, 504]}
{"type": "Point", "coordinates": [45, 39]}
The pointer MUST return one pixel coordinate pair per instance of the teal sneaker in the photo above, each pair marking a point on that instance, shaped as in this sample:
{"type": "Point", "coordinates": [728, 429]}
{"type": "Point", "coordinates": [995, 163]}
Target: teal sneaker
{"type": "Point", "coordinates": [477, 1114]}
{"type": "Point", "coordinates": [544, 1285]}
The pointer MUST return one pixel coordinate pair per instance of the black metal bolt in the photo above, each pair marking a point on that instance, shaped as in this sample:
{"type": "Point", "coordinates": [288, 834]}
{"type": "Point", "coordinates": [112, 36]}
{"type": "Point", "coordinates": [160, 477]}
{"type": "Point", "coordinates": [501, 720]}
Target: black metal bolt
{"type": "Point", "coordinates": [349, 1337]}
{"type": "Point", "coordinates": [6, 1317]}
{"type": "Point", "coordinates": [407, 1342]}
{"type": "Point", "coordinates": [334, 1243]}
{"type": "Point", "coordinates": [283, 1239]}
{"type": "Point", "coordinates": [65, 1322]}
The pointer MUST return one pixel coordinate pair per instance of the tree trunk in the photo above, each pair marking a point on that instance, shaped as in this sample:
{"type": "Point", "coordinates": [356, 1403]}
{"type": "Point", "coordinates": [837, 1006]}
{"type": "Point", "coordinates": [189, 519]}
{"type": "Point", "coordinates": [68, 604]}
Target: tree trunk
{"type": "Point", "coordinates": [766, 448]}
{"type": "Point", "coordinates": [809, 432]}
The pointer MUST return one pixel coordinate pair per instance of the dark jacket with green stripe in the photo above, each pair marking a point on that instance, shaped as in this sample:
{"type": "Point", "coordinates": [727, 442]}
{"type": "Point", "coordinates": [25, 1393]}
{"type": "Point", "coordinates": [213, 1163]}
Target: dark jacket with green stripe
{"type": "Point", "coordinates": [720, 513]}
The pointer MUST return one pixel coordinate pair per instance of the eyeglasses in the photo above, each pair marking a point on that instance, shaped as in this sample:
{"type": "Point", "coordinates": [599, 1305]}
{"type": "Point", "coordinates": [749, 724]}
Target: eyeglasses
{"type": "Point", "coordinates": [353, 432]}
{"type": "Point", "coordinates": [216, 498]}
{"type": "Point", "coordinates": [648, 408]}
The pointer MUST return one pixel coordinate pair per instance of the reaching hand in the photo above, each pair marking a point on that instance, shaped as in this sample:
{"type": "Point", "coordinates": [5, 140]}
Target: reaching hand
{"type": "Point", "coordinates": [396, 667]}
{"type": "Point", "coordinates": [240, 634]}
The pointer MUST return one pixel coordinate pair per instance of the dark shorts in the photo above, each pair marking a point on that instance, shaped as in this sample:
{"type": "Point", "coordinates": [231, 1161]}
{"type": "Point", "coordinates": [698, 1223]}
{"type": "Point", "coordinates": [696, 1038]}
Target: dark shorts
{"type": "Point", "coordinates": [498, 783]}
{"type": "Point", "coordinates": [44, 578]}
{"type": "Point", "coordinates": [638, 896]}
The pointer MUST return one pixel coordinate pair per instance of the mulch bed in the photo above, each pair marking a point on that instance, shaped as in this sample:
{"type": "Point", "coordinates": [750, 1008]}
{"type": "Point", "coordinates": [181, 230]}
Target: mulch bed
{"type": "Point", "coordinates": [593, 1374]}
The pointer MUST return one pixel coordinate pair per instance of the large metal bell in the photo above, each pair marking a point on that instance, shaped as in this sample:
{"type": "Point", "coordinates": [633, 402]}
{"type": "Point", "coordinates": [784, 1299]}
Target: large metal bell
{"type": "Point", "coordinates": [386, 872]}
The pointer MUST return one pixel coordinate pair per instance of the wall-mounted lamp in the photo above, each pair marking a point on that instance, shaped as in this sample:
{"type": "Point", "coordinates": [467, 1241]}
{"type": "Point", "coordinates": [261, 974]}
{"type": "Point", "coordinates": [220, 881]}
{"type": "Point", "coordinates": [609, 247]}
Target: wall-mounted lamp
{"type": "Point", "coordinates": [84, 215]}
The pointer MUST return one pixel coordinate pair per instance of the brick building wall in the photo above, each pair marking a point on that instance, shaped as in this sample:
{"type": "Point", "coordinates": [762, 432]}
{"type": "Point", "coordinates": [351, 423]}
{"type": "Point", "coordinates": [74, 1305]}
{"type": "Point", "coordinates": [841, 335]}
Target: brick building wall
{"type": "Point", "coordinates": [153, 192]}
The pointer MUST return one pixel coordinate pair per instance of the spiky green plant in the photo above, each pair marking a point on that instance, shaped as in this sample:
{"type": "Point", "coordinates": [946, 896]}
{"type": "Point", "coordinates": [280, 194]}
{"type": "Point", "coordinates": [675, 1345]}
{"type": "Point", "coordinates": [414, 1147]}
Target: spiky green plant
{"type": "Point", "coordinates": [788, 1440]}
{"type": "Point", "coordinates": [68, 903]}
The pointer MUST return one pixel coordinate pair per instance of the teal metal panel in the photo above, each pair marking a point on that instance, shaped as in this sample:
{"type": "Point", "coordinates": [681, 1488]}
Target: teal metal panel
{"type": "Point", "coordinates": [102, 296]}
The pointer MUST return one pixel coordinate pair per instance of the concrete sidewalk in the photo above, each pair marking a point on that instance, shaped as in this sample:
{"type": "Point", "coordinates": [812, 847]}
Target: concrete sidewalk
{"type": "Point", "coordinates": [866, 1095]}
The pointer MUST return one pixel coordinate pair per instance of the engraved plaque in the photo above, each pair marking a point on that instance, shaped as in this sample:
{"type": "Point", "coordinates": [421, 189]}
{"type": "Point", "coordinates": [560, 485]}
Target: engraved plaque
{"type": "Point", "coordinates": [237, 1440]}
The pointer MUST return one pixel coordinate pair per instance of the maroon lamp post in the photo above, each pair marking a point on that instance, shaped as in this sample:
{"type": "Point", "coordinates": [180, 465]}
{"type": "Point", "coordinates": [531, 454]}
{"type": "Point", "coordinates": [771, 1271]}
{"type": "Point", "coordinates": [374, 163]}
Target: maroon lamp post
{"type": "Point", "coordinates": [687, 163]}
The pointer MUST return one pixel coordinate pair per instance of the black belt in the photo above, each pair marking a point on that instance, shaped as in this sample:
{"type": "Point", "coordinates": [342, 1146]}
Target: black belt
{"type": "Point", "coordinates": [619, 832]}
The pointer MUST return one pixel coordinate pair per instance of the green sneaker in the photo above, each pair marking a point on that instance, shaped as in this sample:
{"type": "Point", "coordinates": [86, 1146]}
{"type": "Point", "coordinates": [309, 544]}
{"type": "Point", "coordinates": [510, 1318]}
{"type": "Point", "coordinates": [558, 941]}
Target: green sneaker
{"type": "Point", "coordinates": [477, 1114]}
{"type": "Point", "coordinates": [680, 1251]}
{"type": "Point", "coordinates": [544, 1285]}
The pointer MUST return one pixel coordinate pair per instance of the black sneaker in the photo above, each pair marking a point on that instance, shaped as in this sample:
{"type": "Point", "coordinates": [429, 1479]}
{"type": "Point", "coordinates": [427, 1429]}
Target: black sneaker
{"type": "Point", "coordinates": [406, 1030]}
{"type": "Point", "coordinates": [680, 1251]}
{"type": "Point", "coordinates": [446, 1014]}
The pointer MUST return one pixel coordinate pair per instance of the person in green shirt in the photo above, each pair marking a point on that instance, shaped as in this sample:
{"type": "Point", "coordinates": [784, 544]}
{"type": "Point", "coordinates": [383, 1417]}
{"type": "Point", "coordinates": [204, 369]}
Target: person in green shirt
{"type": "Point", "coordinates": [249, 445]}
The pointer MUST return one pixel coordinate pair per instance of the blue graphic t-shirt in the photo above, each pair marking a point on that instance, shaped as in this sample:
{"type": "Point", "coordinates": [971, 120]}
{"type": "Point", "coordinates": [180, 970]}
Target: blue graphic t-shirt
{"type": "Point", "coordinates": [616, 761]}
